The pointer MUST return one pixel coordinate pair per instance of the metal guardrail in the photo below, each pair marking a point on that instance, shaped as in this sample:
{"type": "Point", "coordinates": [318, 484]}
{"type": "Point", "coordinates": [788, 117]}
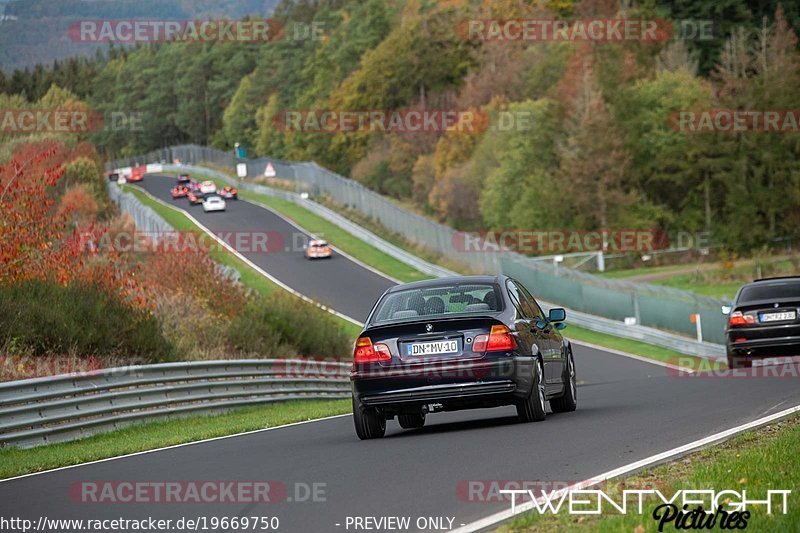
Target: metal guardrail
{"type": "Point", "coordinates": [70, 406]}
{"type": "Point", "coordinates": [67, 407]}
{"type": "Point", "coordinates": [600, 324]}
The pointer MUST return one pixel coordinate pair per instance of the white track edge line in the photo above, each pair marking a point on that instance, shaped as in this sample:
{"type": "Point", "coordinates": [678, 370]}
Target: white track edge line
{"type": "Point", "coordinates": [173, 446]}
{"type": "Point", "coordinates": [633, 356]}
{"type": "Point", "coordinates": [314, 236]}
{"type": "Point", "coordinates": [502, 516]}
{"type": "Point", "coordinates": [249, 263]}
{"type": "Point", "coordinates": [337, 249]}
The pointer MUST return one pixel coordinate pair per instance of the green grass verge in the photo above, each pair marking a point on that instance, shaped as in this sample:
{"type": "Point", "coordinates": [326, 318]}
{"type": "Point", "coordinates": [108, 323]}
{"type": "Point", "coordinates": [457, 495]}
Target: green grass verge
{"type": "Point", "coordinates": [248, 275]}
{"type": "Point", "coordinates": [340, 238]}
{"type": "Point", "coordinates": [634, 347]}
{"type": "Point", "coordinates": [713, 289]}
{"type": "Point", "coordinates": [711, 279]}
{"type": "Point", "coordinates": [630, 272]}
{"type": "Point", "coordinates": [151, 435]}
{"type": "Point", "coordinates": [391, 237]}
{"type": "Point", "coordinates": [756, 461]}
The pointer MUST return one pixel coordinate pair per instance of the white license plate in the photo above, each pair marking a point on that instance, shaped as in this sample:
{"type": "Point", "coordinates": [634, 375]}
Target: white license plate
{"type": "Point", "coordinates": [774, 317]}
{"type": "Point", "coordinates": [432, 348]}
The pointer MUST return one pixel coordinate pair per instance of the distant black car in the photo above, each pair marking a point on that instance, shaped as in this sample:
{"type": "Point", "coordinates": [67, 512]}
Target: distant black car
{"type": "Point", "coordinates": [184, 178]}
{"type": "Point", "coordinates": [459, 343]}
{"type": "Point", "coordinates": [763, 321]}
{"type": "Point", "coordinates": [196, 197]}
{"type": "Point", "coordinates": [229, 193]}
{"type": "Point", "coordinates": [113, 176]}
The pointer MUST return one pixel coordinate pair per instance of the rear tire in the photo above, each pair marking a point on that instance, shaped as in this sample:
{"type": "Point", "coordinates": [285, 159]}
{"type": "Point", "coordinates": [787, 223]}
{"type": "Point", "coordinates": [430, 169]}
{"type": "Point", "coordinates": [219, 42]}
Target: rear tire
{"type": "Point", "coordinates": [411, 421]}
{"type": "Point", "coordinates": [369, 423]}
{"type": "Point", "coordinates": [569, 400]}
{"type": "Point", "coordinates": [532, 408]}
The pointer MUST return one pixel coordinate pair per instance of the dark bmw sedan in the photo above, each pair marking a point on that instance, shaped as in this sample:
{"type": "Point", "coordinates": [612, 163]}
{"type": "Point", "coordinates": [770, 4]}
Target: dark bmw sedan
{"type": "Point", "coordinates": [763, 321]}
{"type": "Point", "coordinates": [459, 343]}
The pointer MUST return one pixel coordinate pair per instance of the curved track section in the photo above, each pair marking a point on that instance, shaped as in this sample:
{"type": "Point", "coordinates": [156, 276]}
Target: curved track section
{"type": "Point", "coordinates": [628, 410]}
{"type": "Point", "coordinates": [340, 283]}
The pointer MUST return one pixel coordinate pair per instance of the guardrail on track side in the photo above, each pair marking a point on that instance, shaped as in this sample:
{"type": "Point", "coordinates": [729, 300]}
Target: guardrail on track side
{"type": "Point", "coordinates": [66, 407]}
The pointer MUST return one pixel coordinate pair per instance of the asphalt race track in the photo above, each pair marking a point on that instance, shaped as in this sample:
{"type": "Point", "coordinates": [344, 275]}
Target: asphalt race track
{"type": "Point", "coordinates": [628, 410]}
{"type": "Point", "coordinates": [348, 287]}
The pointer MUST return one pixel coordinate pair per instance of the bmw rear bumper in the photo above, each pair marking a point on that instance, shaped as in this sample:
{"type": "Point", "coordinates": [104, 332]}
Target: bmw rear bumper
{"type": "Point", "coordinates": [438, 393]}
{"type": "Point", "coordinates": [767, 347]}
{"type": "Point", "coordinates": [765, 341]}
{"type": "Point", "coordinates": [451, 385]}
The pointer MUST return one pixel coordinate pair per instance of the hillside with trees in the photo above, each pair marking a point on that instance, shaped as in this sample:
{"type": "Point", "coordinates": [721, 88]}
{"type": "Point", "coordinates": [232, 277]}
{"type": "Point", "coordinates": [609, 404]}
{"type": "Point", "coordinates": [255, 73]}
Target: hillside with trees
{"type": "Point", "coordinates": [602, 151]}
{"type": "Point", "coordinates": [77, 295]}
{"type": "Point", "coordinates": [37, 31]}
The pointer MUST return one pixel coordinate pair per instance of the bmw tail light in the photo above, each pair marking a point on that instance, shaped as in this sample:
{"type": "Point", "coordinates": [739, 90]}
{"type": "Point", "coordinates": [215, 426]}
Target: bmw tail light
{"type": "Point", "coordinates": [499, 339]}
{"type": "Point", "coordinates": [480, 342]}
{"type": "Point", "coordinates": [738, 318]}
{"type": "Point", "coordinates": [366, 352]}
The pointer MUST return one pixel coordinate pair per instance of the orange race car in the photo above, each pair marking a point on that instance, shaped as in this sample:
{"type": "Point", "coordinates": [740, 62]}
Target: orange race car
{"type": "Point", "coordinates": [318, 250]}
{"type": "Point", "coordinates": [179, 192]}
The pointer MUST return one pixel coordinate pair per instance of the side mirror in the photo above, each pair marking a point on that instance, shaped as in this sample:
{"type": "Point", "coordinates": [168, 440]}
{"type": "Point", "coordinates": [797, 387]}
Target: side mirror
{"type": "Point", "coordinates": [726, 309]}
{"type": "Point", "coordinates": [557, 314]}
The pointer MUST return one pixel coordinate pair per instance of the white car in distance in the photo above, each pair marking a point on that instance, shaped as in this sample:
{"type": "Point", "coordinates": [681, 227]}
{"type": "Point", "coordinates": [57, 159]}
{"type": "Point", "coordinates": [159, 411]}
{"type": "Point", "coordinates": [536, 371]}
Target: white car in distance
{"type": "Point", "coordinates": [213, 203]}
{"type": "Point", "coordinates": [208, 187]}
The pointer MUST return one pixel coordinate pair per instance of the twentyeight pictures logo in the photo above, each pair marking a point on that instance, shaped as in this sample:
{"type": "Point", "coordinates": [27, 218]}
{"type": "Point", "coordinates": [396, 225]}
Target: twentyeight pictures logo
{"type": "Point", "coordinates": [145, 31]}
{"type": "Point", "coordinates": [683, 509]}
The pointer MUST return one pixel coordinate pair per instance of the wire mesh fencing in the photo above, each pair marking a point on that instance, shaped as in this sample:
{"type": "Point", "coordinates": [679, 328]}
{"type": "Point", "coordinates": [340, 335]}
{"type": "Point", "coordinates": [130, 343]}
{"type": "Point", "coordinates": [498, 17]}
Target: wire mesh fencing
{"type": "Point", "coordinates": [648, 304]}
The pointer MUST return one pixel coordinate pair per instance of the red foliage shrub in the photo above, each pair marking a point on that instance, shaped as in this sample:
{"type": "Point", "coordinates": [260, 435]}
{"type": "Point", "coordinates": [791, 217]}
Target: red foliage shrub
{"type": "Point", "coordinates": [35, 242]}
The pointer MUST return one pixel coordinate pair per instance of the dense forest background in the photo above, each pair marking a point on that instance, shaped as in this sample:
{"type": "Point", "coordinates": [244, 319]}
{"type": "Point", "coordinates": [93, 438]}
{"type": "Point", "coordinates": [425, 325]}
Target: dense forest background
{"type": "Point", "coordinates": [600, 154]}
{"type": "Point", "coordinates": [35, 31]}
